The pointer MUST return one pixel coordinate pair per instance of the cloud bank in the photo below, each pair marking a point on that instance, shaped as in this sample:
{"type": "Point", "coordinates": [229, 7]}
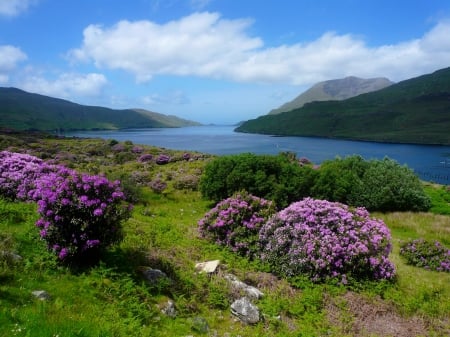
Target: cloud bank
{"type": "Point", "coordinates": [14, 7]}
{"type": "Point", "coordinates": [206, 45]}
{"type": "Point", "coordinates": [67, 85]}
{"type": "Point", "coordinates": [10, 57]}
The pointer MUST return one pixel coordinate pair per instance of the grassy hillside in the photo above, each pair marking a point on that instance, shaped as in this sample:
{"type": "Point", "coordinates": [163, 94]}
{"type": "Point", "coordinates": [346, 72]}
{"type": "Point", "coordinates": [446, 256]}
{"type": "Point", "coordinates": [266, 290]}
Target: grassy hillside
{"type": "Point", "coordinates": [113, 299]}
{"type": "Point", "coordinates": [412, 111]}
{"type": "Point", "coordinates": [21, 110]}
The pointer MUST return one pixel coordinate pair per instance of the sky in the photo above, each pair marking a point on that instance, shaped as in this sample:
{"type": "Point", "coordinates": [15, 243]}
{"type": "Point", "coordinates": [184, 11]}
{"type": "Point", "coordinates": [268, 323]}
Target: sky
{"type": "Point", "coordinates": [213, 61]}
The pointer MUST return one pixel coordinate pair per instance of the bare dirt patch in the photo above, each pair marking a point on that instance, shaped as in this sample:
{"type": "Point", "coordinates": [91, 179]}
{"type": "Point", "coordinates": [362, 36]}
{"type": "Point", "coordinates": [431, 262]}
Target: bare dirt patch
{"type": "Point", "coordinates": [356, 315]}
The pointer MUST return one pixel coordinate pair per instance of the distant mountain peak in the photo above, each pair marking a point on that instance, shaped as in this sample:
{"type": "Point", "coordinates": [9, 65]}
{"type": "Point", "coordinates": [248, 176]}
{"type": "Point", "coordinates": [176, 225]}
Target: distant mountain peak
{"type": "Point", "coordinates": [336, 89]}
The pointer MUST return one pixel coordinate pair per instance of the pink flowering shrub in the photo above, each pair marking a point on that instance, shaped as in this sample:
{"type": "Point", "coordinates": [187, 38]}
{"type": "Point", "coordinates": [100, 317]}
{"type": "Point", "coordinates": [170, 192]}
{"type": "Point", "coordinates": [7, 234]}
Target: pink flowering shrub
{"type": "Point", "coordinates": [235, 222]}
{"type": "Point", "coordinates": [325, 239]}
{"type": "Point", "coordinates": [426, 254]}
{"type": "Point", "coordinates": [80, 214]}
{"type": "Point", "coordinates": [163, 159]}
{"type": "Point", "coordinates": [18, 172]}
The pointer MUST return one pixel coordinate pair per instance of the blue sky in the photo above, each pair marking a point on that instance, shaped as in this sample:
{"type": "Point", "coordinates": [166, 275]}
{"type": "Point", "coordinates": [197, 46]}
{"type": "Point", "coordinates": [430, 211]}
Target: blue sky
{"type": "Point", "coordinates": [213, 61]}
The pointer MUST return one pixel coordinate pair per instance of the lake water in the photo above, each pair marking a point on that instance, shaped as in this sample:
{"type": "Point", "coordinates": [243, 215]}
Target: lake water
{"type": "Point", "coordinates": [430, 162]}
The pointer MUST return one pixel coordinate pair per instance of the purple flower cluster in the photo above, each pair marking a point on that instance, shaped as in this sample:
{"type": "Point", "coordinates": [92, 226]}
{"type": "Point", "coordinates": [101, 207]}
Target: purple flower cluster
{"type": "Point", "coordinates": [235, 222]}
{"type": "Point", "coordinates": [158, 185]}
{"type": "Point", "coordinates": [145, 158]}
{"type": "Point", "coordinates": [325, 239]}
{"type": "Point", "coordinates": [78, 212]}
{"type": "Point", "coordinates": [163, 159]}
{"type": "Point", "coordinates": [426, 254]}
{"type": "Point", "coordinates": [18, 173]}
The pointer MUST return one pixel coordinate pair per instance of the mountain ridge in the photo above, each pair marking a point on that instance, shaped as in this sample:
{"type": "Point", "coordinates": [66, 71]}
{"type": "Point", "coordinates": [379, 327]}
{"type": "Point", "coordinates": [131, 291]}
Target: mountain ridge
{"type": "Point", "coordinates": [336, 89]}
{"type": "Point", "coordinates": [415, 111]}
{"type": "Point", "coordinates": [22, 110]}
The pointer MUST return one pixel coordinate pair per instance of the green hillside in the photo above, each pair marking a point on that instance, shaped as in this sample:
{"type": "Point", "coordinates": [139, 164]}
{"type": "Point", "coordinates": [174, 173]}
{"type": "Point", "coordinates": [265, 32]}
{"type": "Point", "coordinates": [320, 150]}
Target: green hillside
{"type": "Point", "coordinates": [21, 110]}
{"type": "Point", "coordinates": [412, 111]}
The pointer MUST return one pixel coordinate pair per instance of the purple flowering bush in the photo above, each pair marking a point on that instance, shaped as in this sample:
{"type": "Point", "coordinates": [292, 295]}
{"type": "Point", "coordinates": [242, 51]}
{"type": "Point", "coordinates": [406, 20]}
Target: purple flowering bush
{"type": "Point", "coordinates": [18, 173]}
{"type": "Point", "coordinates": [426, 254]}
{"type": "Point", "coordinates": [235, 222]}
{"type": "Point", "coordinates": [163, 159]}
{"type": "Point", "coordinates": [325, 239]}
{"type": "Point", "coordinates": [80, 214]}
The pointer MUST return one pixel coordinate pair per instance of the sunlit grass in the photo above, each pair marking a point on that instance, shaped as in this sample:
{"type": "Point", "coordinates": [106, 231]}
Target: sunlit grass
{"type": "Point", "coordinates": [113, 299]}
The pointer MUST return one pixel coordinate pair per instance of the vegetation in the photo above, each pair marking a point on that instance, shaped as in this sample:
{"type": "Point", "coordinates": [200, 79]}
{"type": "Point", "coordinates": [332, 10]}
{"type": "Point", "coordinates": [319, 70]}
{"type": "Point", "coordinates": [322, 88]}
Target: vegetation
{"type": "Point", "coordinates": [26, 111]}
{"type": "Point", "coordinates": [114, 298]}
{"type": "Point", "coordinates": [412, 111]}
{"type": "Point", "coordinates": [378, 185]}
{"type": "Point", "coordinates": [325, 240]}
{"type": "Point", "coordinates": [277, 178]}
{"type": "Point", "coordinates": [236, 223]}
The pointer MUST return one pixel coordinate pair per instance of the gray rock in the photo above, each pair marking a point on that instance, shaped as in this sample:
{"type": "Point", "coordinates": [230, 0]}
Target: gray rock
{"type": "Point", "coordinates": [250, 291]}
{"type": "Point", "coordinates": [199, 324]}
{"type": "Point", "coordinates": [41, 295]}
{"type": "Point", "coordinates": [153, 276]}
{"type": "Point", "coordinates": [169, 309]}
{"type": "Point", "coordinates": [10, 256]}
{"type": "Point", "coordinates": [245, 311]}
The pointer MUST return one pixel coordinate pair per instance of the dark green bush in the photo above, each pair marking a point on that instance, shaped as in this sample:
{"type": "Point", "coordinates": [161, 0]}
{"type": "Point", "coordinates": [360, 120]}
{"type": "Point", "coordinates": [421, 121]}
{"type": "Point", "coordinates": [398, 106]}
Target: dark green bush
{"type": "Point", "coordinates": [389, 186]}
{"type": "Point", "coordinates": [378, 185]}
{"type": "Point", "coordinates": [340, 180]}
{"type": "Point", "coordinates": [277, 178]}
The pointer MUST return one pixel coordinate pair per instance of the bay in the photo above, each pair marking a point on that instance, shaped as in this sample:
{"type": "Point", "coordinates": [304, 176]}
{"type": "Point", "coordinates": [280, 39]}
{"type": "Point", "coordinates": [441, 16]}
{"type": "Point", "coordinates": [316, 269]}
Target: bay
{"type": "Point", "coordinates": [430, 162]}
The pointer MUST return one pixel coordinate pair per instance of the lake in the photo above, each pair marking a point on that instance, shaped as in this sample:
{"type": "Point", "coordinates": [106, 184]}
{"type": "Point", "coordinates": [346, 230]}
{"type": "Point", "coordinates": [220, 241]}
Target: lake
{"type": "Point", "coordinates": [430, 162]}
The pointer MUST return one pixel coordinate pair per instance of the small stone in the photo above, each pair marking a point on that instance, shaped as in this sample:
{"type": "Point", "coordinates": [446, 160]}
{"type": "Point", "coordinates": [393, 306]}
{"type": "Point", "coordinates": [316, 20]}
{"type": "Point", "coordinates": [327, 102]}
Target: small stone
{"type": "Point", "coordinates": [208, 267]}
{"type": "Point", "coordinates": [245, 311]}
{"type": "Point", "coordinates": [200, 325]}
{"type": "Point", "coordinates": [41, 295]}
{"type": "Point", "coordinates": [250, 291]}
{"type": "Point", "coordinates": [153, 276]}
{"type": "Point", "coordinates": [169, 309]}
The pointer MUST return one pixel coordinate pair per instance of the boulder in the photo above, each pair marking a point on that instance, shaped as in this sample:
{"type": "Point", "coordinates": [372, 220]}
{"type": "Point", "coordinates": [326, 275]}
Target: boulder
{"type": "Point", "coordinates": [245, 311]}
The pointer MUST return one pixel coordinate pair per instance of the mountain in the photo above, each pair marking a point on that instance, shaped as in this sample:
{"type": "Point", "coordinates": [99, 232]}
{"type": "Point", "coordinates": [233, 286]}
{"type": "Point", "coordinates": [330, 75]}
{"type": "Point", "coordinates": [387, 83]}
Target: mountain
{"type": "Point", "coordinates": [21, 110]}
{"type": "Point", "coordinates": [338, 89]}
{"type": "Point", "coordinates": [412, 111]}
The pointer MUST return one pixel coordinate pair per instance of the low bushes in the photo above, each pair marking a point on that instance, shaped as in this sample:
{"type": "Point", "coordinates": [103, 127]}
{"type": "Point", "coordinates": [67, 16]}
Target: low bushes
{"type": "Point", "coordinates": [314, 238]}
{"type": "Point", "coordinates": [426, 254]}
{"type": "Point", "coordinates": [377, 185]}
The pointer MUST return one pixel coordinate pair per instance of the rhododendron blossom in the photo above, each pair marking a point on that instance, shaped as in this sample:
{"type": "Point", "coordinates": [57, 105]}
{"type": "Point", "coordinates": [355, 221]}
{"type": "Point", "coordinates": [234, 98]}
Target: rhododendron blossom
{"type": "Point", "coordinates": [325, 239]}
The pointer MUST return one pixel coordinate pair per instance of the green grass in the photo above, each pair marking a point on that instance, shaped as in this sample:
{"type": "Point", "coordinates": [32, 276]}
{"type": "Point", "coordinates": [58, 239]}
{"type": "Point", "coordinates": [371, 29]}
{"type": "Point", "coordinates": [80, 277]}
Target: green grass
{"type": "Point", "coordinates": [113, 299]}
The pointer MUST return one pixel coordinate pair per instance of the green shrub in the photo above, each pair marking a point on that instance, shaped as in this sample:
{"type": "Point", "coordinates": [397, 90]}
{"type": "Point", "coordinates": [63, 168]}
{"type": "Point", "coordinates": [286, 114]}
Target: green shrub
{"type": "Point", "coordinates": [388, 186]}
{"type": "Point", "coordinates": [340, 179]}
{"type": "Point", "coordinates": [276, 178]}
{"type": "Point", "coordinates": [378, 185]}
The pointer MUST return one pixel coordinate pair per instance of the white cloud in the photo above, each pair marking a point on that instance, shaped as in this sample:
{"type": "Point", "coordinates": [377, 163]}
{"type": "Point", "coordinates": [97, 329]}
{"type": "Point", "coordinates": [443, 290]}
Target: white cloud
{"type": "Point", "coordinates": [176, 97]}
{"type": "Point", "coordinates": [10, 57]}
{"type": "Point", "coordinates": [14, 7]}
{"type": "Point", "coordinates": [205, 45]}
{"type": "Point", "coordinates": [67, 85]}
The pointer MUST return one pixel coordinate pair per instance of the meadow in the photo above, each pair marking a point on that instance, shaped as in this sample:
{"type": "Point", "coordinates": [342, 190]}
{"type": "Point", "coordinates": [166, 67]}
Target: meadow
{"type": "Point", "coordinates": [113, 298]}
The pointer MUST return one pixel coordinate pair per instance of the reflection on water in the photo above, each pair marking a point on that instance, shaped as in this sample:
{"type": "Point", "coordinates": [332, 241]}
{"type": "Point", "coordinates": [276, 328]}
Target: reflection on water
{"type": "Point", "coordinates": [430, 162]}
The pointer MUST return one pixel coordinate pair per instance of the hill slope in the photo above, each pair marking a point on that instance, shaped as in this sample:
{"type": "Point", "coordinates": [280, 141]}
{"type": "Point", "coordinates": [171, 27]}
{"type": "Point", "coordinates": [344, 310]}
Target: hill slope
{"type": "Point", "coordinates": [21, 110]}
{"type": "Point", "coordinates": [338, 89]}
{"type": "Point", "coordinates": [412, 111]}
